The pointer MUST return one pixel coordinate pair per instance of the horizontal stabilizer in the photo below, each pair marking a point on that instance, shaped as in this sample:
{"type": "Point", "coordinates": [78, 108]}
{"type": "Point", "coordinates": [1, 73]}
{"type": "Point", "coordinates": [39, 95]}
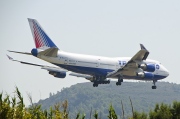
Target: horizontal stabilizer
{"type": "Point", "coordinates": [20, 52]}
{"type": "Point", "coordinates": [51, 52]}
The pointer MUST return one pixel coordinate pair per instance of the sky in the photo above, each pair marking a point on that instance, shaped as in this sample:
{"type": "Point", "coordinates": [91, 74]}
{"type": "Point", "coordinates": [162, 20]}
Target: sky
{"type": "Point", "coordinates": [97, 27]}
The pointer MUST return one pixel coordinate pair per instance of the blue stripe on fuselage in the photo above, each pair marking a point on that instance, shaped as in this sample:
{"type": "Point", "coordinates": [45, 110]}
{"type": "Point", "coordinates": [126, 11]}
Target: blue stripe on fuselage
{"type": "Point", "coordinates": [101, 72]}
{"type": "Point", "coordinates": [156, 77]}
{"type": "Point", "coordinates": [86, 70]}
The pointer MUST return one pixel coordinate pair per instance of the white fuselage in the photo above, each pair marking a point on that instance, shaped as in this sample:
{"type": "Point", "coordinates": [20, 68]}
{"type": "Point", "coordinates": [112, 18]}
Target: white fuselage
{"type": "Point", "coordinates": [100, 66]}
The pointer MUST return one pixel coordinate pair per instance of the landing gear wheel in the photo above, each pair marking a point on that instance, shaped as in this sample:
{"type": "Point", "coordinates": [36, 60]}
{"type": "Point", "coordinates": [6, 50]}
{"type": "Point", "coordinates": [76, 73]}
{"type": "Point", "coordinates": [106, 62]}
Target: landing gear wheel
{"type": "Point", "coordinates": [95, 85]}
{"type": "Point", "coordinates": [153, 87]}
{"type": "Point", "coordinates": [154, 82]}
{"type": "Point", "coordinates": [121, 80]}
{"type": "Point", "coordinates": [118, 83]}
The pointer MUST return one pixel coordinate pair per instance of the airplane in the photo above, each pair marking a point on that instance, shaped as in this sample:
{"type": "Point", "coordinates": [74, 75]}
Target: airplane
{"type": "Point", "coordinates": [96, 69]}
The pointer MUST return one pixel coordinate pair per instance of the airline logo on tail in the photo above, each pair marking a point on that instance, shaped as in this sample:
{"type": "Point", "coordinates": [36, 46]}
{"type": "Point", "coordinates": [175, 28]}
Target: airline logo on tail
{"type": "Point", "coordinates": [41, 39]}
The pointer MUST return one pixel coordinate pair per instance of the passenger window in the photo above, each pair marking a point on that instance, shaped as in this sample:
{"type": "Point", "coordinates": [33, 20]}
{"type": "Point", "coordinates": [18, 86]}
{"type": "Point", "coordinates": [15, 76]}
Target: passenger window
{"type": "Point", "coordinates": [124, 62]}
{"type": "Point", "coordinates": [120, 63]}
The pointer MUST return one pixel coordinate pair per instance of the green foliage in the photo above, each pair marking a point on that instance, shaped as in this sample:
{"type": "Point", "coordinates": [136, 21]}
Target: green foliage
{"type": "Point", "coordinates": [112, 113]}
{"type": "Point", "coordinates": [161, 112]}
{"type": "Point", "coordinates": [83, 116]}
{"type": "Point", "coordinates": [175, 110]}
{"type": "Point", "coordinates": [14, 108]}
{"type": "Point", "coordinates": [165, 111]}
{"type": "Point", "coordinates": [138, 115]}
{"type": "Point", "coordinates": [95, 114]}
{"type": "Point", "coordinates": [78, 115]}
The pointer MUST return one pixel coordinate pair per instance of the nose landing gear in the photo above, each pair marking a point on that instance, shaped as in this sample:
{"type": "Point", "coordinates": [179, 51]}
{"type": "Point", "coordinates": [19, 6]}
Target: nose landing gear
{"type": "Point", "coordinates": [154, 86]}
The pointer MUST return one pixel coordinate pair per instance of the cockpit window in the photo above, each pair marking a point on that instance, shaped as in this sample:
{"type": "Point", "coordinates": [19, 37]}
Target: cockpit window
{"type": "Point", "coordinates": [157, 66]}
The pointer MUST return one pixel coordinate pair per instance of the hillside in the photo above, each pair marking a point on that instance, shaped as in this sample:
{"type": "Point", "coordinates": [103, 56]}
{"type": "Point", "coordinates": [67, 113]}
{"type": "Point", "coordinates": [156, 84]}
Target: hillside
{"type": "Point", "coordinates": [83, 96]}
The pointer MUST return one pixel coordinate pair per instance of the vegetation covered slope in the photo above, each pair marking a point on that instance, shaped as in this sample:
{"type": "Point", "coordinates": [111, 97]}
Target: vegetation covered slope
{"type": "Point", "coordinates": [82, 97]}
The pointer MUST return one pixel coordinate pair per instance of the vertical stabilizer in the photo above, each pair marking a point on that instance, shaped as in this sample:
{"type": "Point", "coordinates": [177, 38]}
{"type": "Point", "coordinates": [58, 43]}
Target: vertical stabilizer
{"type": "Point", "coordinates": [41, 39]}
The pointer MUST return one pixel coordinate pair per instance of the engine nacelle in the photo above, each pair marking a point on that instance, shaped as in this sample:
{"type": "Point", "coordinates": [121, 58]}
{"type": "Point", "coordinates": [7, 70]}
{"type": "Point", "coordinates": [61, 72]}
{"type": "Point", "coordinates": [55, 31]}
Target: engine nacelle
{"type": "Point", "coordinates": [145, 75]}
{"type": "Point", "coordinates": [148, 67]}
{"type": "Point", "coordinates": [58, 74]}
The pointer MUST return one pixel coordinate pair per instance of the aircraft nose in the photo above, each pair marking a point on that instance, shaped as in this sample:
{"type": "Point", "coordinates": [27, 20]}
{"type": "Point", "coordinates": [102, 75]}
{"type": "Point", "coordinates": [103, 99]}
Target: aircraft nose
{"type": "Point", "coordinates": [167, 73]}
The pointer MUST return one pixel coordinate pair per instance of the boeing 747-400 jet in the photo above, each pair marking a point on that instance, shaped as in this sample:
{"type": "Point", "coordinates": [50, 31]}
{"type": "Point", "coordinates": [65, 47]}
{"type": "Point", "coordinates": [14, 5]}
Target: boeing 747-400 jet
{"type": "Point", "coordinates": [96, 69]}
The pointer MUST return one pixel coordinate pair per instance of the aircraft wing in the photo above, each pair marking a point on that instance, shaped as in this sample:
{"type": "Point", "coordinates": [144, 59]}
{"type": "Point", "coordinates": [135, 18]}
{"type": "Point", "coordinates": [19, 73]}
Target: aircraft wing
{"type": "Point", "coordinates": [141, 55]}
{"type": "Point", "coordinates": [48, 68]}
{"type": "Point", "coordinates": [131, 65]}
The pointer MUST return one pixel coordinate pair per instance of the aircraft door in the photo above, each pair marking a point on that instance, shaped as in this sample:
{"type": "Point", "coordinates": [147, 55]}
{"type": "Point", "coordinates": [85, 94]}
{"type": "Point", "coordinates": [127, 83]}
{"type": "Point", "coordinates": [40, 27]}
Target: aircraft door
{"type": "Point", "coordinates": [65, 60]}
{"type": "Point", "coordinates": [97, 64]}
{"type": "Point", "coordinates": [117, 66]}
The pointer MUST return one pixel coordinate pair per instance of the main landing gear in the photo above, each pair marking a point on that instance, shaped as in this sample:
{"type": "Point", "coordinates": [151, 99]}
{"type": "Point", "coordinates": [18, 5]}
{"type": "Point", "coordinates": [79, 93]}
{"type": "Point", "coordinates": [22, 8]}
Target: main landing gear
{"type": "Point", "coordinates": [154, 86]}
{"type": "Point", "coordinates": [95, 85]}
{"type": "Point", "coordinates": [100, 82]}
{"type": "Point", "coordinates": [120, 79]}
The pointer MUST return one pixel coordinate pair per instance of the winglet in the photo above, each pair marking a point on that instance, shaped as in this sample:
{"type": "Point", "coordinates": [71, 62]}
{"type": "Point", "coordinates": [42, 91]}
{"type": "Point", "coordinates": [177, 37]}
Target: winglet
{"type": "Point", "coordinates": [142, 47]}
{"type": "Point", "coordinates": [10, 58]}
{"type": "Point", "coordinates": [147, 52]}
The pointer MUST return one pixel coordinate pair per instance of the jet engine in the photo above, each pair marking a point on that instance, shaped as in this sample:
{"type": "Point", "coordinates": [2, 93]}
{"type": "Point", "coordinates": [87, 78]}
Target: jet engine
{"type": "Point", "coordinates": [58, 74]}
{"type": "Point", "coordinates": [145, 75]}
{"type": "Point", "coordinates": [148, 67]}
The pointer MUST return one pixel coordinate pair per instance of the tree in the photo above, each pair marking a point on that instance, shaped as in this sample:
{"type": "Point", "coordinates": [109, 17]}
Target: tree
{"type": "Point", "coordinates": [95, 114]}
{"type": "Point", "coordinates": [175, 110]}
{"type": "Point", "coordinates": [161, 112]}
{"type": "Point", "coordinates": [138, 115]}
{"type": "Point", "coordinates": [112, 113]}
